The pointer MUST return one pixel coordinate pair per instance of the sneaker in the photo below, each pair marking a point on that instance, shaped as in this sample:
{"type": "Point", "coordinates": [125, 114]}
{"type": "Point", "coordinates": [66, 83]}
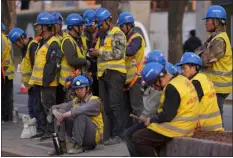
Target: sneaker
{"type": "Point", "coordinates": [75, 149]}
{"type": "Point", "coordinates": [112, 141]}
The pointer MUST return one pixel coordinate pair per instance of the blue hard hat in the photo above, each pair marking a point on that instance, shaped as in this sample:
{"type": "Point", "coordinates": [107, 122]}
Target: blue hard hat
{"type": "Point", "coordinates": [58, 17]}
{"type": "Point", "coordinates": [89, 17]}
{"type": "Point", "coordinates": [170, 68]}
{"type": "Point", "coordinates": [151, 72]}
{"type": "Point", "coordinates": [125, 18]}
{"type": "Point", "coordinates": [45, 18]}
{"type": "Point", "coordinates": [216, 12]}
{"type": "Point", "coordinates": [156, 56]}
{"type": "Point", "coordinates": [190, 58]}
{"type": "Point", "coordinates": [74, 19]}
{"type": "Point", "coordinates": [3, 28]}
{"type": "Point", "coordinates": [80, 81]}
{"type": "Point", "coordinates": [101, 15]}
{"type": "Point", "coordinates": [178, 68]}
{"type": "Point", "coordinates": [15, 34]}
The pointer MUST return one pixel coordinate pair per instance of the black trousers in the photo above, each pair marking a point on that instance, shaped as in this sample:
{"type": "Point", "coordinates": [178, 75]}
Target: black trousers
{"type": "Point", "coordinates": [61, 94]}
{"type": "Point", "coordinates": [7, 99]}
{"type": "Point", "coordinates": [111, 93]}
{"type": "Point", "coordinates": [149, 143]}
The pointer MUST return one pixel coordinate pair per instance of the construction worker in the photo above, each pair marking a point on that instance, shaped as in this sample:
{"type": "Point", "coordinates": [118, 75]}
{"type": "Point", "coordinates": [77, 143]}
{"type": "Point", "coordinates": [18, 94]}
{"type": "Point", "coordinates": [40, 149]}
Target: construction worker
{"type": "Point", "coordinates": [18, 37]}
{"type": "Point", "coordinates": [8, 70]}
{"type": "Point", "coordinates": [216, 53]}
{"type": "Point", "coordinates": [47, 66]}
{"type": "Point", "coordinates": [158, 56]}
{"type": "Point", "coordinates": [61, 94]}
{"type": "Point", "coordinates": [92, 34]}
{"type": "Point", "coordinates": [134, 63]}
{"type": "Point", "coordinates": [73, 50]}
{"type": "Point", "coordinates": [177, 114]}
{"type": "Point", "coordinates": [80, 119]}
{"type": "Point", "coordinates": [110, 52]}
{"type": "Point", "coordinates": [209, 114]}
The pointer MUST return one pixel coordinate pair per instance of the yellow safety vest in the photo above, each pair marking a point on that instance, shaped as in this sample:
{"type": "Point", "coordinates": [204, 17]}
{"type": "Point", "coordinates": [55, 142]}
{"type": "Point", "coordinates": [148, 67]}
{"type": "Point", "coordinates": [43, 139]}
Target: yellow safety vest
{"type": "Point", "coordinates": [134, 63]}
{"type": "Point", "coordinates": [102, 65]}
{"type": "Point", "coordinates": [26, 67]}
{"type": "Point", "coordinates": [40, 61]}
{"type": "Point", "coordinates": [61, 37]}
{"type": "Point", "coordinates": [84, 43]}
{"type": "Point", "coordinates": [220, 73]}
{"type": "Point", "coordinates": [187, 114]}
{"type": "Point", "coordinates": [209, 114]}
{"type": "Point", "coordinates": [66, 68]}
{"type": "Point", "coordinates": [97, 120]}
{"type": "Point", "coordinates": [8, 67]}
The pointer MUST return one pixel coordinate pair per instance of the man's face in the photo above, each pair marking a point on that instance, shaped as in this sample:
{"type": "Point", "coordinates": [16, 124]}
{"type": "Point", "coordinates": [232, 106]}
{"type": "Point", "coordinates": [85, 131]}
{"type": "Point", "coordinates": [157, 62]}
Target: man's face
{"type": "Point", "coordinates": [209, 25]}
{"type": "Point", "coordinates": [19, 43]}
{"type": "Point", "coordinates": [104, 26]}
{"type": "Point", "coordinates": [188, 71]}
{"type": "Point", "coordinates": [58, 28]}
{"type": "Point", "coordinates": [81, 92]}
{"type": "Point", "coordinates": [123, 28]}
{"type": "Point", "coordinates": [38, 30]}
{"type": "Point", "coordinates": [91, 28]}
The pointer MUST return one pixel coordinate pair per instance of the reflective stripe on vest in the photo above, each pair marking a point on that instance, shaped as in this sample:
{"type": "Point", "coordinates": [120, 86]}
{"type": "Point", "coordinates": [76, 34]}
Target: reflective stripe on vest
{"type": "Point", "coordinates": [176, 129]}
{"type": "Point", "coordinates": [211, 128]}
{"type": "Point", "coordinates": [66, 68]}
{"type": "Point", "coordinates": [220, 73]}
{"type": "Point", "coordinates": [206, 116]}
{"type": "Point", "coordinates": [117, 65]}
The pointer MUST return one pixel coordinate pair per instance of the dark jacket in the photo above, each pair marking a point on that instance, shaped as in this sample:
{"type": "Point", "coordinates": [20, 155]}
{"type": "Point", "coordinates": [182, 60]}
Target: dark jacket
{"type": "Point", "coordinates": [191, 44]}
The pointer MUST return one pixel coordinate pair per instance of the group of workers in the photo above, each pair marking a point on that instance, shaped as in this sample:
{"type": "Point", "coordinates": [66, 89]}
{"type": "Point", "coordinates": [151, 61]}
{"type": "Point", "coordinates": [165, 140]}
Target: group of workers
{"type": "Point", "coordinates": [190, 95]}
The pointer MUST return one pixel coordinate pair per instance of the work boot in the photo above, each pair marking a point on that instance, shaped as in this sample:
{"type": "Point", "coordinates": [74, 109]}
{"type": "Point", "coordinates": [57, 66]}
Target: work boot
{"type": "Point", "coordinates": [75, 149]}
{"type": "Point", "coordinates": [63, 146]}
{"type": "Point", "coordinates": [112, 141]}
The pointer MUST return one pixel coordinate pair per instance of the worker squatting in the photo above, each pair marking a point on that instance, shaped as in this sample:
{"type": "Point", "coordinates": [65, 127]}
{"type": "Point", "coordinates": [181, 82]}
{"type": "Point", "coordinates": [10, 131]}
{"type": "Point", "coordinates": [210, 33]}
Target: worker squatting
{"type": "Point", "coordinates": [89, 79]}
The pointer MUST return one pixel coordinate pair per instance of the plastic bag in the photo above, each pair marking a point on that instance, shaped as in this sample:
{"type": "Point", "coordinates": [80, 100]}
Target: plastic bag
{"type": "Point", "coordinates": [29, 127]}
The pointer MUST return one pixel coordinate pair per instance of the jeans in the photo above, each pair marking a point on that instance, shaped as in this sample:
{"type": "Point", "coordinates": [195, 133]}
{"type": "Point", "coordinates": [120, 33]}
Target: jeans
{"type": "Point", "coordinates": [111, 93]}
{"type": "Point", "coordinates": [128, 138]}
{"type": "Point", "coordinates": [34, 104]}
{"type": "Point", "coordinates": [221, 98]}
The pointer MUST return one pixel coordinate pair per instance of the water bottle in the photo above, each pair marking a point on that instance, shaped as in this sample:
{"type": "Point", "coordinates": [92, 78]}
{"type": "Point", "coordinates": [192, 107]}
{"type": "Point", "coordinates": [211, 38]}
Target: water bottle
{"type": "Point", "coordinates": [57, 143]}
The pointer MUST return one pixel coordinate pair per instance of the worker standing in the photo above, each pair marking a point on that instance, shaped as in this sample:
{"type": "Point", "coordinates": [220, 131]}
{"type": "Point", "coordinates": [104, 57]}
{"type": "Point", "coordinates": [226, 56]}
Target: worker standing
{"type": "Point", "coordinates": [110, 53]}
{"type": "Point", "coordinates": [73, 50]}
{"type": "Point", "coordinates": [7, 70]}
{"type": "Point", "coordinates": [134, 63]}
{"type": "Point", "coordinates": [92, 34]}
{"type": "Point", "coordinates": [216, 53]}
{"type": "Point", "coordinates": [18, 37]}
{"type": "Point", "coordinates": [47, 66]}
{"type": "Point", "coordinates": [80, 120]}
{"type": "Point", "coordinates": [61, 94]}
{"type": "Point", "coordinates": [209, 113]}
{"type": "Point", "coordinates": [177, 114]}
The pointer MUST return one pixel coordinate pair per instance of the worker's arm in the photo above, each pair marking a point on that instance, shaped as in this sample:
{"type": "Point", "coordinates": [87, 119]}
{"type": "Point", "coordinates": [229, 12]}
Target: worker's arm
{"type": "Point", "coordinates": [198, 88]}
{"type": "Point", "coordinates": [32, 53]}
{"type": "Point", "coordinates": [170, 106]}
{"type": "Point", "coordinates": [134, 46]}
{"type": "Point", "coordinates": [91, 108]}
{"type": "Point", "coordinates": [64, 106]}
{"type": "Point", "coordinates": [214, 52]}
{"type": "Point", "coordinates": [70, 53]}
{"type": "Point", "coordinates": [118, 48]}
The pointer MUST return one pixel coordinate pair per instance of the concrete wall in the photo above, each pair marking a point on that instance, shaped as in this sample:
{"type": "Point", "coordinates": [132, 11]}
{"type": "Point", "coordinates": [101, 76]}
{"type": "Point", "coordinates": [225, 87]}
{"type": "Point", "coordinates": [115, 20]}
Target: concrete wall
{"type": "Point", "coordinates": [159, 32]}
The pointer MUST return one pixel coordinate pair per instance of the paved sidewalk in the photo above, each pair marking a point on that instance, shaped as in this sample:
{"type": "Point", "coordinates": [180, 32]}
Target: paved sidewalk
{"type": "Point", "coordinates": [13, 145]}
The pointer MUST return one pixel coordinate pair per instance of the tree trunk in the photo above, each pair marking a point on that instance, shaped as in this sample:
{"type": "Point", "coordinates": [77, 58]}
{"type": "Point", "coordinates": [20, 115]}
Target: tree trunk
{"type": "Point", "coordinates": [112, 6]}
{"type": "Point", "coordinates": [175, 22]}
{"type": "Point", "coordinates": [8, 14]}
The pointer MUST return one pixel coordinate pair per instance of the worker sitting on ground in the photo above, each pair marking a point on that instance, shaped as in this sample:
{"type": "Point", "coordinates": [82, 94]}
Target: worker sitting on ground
{"type": "Point", "coordinates": [177, 114]}
{"type": "Point", "coordinates": [80, 119]}
{"type": "Point", "coordinates": [209, 113]}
